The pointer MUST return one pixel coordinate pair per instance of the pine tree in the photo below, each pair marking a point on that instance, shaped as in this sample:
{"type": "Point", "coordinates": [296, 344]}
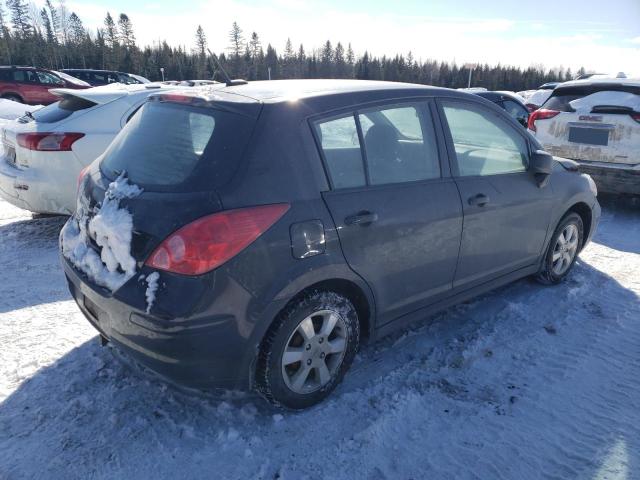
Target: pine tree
{"type": "Point", "coordinates": [201, 51]}
{"type": "Point", "coordinates": [76, 29]}
{"type": "Point", "coordinates": [326, 60]}
{"type": "Point", "coordinates": [110, 32]}
{"type": "Point", "coordinates": [236, 40]}
{"type": "Point", "coordinates": [127, 37]}
{"type": "Point", "coordinates": [55, 19]}
{"type": "Point", "coordinates": [201, 41]}
{"type": "Point", "coordinates": [20, 17]}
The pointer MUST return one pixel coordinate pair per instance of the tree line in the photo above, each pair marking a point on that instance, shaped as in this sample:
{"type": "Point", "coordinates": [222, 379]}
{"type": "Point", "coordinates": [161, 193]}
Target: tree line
{"type": "Point", "coordinates": [54, 37]}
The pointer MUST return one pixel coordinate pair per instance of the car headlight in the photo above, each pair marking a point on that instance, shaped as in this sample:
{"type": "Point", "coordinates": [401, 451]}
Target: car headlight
{"type": "Point", "coordinates": [592, 185]}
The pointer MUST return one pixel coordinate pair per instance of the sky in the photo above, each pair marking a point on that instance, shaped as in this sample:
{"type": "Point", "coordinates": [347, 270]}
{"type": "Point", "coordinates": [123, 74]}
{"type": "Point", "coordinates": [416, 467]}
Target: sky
{"type": "Point", "coordinates": [602, 36]}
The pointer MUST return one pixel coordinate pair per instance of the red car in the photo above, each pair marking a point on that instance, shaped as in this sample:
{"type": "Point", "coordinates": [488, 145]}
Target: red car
{"type": "Point", "coordinates": [31, 85]}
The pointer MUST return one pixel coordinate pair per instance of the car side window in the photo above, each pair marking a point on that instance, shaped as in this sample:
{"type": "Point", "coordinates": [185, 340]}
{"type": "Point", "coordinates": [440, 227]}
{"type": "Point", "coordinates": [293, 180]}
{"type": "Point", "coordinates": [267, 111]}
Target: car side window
{"type": "Point", "coordinates": [484, 143]}
{"type": "Point", "coordinates": [516, 110]}
{"type": "Point", "coordinates": [25, 76]}
{"type": "Point", "coordinates": [47, 78]}
{"type": "Point", "coordinates": [340, 145]}
{"type": "Point", "coordinates": [400, 145]}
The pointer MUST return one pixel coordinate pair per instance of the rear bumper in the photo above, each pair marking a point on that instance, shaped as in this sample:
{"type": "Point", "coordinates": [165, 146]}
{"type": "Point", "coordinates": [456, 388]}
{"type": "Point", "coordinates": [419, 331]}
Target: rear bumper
{"type": "Point", "coordinates": [205, 349]}
{"type": "Point", "coordinates": [613, 178]}
{"type": "Point", "coordinates": [29, 189]}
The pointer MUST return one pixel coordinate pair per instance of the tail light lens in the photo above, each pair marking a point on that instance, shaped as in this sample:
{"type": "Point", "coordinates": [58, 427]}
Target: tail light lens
{"type": "Point", "coordinates": [210, 241]}
{"type": "Point", "coordinates": [636, 116]}
{"type": "Point", "coordinates": [531, 107]}
{"type": "Point", "coordinates": [48, 141]}
{"type": "Point", "coordinates": [541, 114]}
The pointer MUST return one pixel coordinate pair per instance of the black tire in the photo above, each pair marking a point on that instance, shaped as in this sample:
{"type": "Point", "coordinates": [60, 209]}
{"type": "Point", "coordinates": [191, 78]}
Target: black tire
{"type": "Point", "coordinates": [547, 275]}
{"type": "Point", "coordinates": [13, 98]}
{"type": "Point", "coordinates": [270, 375]}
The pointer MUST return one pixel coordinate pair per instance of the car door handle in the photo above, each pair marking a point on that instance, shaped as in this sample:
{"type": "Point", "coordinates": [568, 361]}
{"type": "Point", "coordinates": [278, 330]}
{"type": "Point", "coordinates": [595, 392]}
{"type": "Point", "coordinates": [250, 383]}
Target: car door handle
{"type": "Point", "coordinates": [480, 200]}
{"type": "Point", "coordinates": [362, 218]}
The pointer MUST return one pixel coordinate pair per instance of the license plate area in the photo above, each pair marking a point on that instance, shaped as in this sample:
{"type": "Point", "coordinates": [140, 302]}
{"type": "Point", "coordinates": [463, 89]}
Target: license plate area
{"type": "Point", "coordinates": [589, 136]}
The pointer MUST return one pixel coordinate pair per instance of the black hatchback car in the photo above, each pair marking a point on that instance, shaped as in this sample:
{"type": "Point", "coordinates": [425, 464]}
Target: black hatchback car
{"type": "Point", "coordinates": [511, 103]}
{"type": "Point", "coordinates": [254, 235]}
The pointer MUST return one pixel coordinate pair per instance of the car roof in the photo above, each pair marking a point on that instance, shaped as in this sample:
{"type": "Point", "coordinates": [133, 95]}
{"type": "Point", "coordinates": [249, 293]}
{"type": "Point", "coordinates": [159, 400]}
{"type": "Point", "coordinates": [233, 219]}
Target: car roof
{"type": "Point", "coordinates": [588, 82]}
{"type": "Point", "coordinates": [279, 91]}
{"type": "Point", "coordinates": [500, 95]}
{"type": "Point", "coordinates": [92, 70]}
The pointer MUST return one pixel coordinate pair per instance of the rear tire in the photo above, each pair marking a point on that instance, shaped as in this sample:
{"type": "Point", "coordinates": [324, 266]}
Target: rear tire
{"type": "Point", "coordinates": [13, 98]}
{"type": "Point", "coordinates": [565, 244]}
{"type": "Point", "coordinates": [306, 353]}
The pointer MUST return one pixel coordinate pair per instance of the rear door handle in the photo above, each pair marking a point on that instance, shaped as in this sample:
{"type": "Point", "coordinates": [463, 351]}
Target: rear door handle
{"type": "Point", "coordinates": [362, 218]}
{"type": "Point", "coordinates": [480, 200]}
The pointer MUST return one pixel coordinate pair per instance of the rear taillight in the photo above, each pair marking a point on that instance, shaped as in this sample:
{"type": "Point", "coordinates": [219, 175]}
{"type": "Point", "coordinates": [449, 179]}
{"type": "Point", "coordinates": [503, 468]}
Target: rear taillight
{"type": "Point", "coordinates": [48, 141]}
{"type": "Point", "coordinates": [541, 114]}
{"type": "Point", "coordinates": [210, 241]}
{"type": "Point", "coordinates": [531, 107]}
{"type": "Point", "coordinates": [635, 116]}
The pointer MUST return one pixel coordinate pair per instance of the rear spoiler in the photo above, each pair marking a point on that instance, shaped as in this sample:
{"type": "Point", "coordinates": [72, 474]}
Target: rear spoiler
{"type": "Point", "coordinates": [95, 95]}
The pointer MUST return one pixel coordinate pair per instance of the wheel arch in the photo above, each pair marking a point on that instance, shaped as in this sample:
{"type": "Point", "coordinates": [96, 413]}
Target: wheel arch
{"type": "Point", "coordinates": [13, 94]}
{"type": "Point", "coordinates": [585, 213]}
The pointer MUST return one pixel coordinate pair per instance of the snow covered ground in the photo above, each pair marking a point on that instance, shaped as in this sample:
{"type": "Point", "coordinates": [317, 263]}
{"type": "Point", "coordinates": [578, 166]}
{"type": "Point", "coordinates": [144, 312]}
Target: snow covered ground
{"type": "Point", "coordinates": [526, 382]}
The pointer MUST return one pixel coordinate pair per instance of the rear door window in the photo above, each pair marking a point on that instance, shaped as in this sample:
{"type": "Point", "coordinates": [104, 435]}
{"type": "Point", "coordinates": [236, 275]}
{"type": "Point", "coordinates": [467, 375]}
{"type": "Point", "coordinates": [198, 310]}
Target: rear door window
{"type": "Point", "coordinates": [168, 146]}
{"type": "Point", "coordinates": [399, 145]}
{"type": "Point", "coordinates": [341, 149]}
{"type": "Point", "coordinates": [25, 76]}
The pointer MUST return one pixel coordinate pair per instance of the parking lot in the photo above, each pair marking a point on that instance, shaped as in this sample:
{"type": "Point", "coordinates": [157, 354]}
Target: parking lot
{"type": "Point", "coordinates": [525, 382]}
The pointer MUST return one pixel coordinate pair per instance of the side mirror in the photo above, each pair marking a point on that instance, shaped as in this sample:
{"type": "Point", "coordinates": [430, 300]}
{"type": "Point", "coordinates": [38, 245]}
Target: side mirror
{"type": "Point", "coordinates": [541, 165]}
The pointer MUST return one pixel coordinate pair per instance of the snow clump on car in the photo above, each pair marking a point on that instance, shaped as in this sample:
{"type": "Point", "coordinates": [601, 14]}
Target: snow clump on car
{"type": "Point", "coordinates": [111, 229]}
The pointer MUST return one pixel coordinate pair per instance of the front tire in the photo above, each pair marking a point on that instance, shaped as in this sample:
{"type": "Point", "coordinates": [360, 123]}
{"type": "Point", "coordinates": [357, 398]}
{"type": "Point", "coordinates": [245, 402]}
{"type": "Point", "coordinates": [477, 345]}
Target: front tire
{"type": "Point", "coordinates": [565, 244]}
{"type": "Point", "coordinates": [308, 350]}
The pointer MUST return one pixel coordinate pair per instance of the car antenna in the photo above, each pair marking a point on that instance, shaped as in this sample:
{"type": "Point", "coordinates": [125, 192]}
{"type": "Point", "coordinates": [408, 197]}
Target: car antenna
{"type": "Point", "coordinates": [227, 78]}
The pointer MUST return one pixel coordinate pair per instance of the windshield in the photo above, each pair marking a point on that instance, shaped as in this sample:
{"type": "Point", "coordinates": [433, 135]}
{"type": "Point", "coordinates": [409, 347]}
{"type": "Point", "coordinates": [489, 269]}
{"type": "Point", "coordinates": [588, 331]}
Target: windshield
{"type": "Point", "coordinates": [169, 146]}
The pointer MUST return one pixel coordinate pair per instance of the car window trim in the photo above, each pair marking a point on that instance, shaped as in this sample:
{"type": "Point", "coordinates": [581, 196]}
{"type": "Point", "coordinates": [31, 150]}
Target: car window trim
{"type": "Point", "coordinates": [423, 105]}
{"type": "Point", "coordinates": [499, 113]}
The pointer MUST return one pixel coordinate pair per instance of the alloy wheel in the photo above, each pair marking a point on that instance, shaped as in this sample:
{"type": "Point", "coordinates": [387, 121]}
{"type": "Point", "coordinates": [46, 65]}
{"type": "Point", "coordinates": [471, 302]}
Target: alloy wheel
{"type": "Point", "coordinates": [565, 249]}
{"type": "Point", "coordinates": [314, 352]}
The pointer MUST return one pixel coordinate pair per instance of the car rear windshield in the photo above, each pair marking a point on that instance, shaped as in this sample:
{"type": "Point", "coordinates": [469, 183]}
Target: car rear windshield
{"type": "Point", "coordinates": [60, 110]}
{"type": "Point", "coordinates": [562, 96]}
{"type": "Point", "coordinates": [170, 146]}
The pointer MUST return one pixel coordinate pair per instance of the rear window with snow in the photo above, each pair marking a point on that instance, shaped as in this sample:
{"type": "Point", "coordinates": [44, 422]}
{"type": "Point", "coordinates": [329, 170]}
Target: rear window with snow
{"type": "Point", "coordinates": [60, 110]}
{"type": "Point", "coordinates": [168, 145]}
{"type": "Point", "coordinates": [568, 99]}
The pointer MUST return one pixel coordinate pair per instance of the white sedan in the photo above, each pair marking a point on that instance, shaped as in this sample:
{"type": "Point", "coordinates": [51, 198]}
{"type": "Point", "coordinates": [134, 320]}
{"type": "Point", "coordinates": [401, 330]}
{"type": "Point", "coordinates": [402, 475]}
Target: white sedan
{"type": "Point", "coordinates": [595, 122]}
{"type": "Point", "coordinates": [45, 150]}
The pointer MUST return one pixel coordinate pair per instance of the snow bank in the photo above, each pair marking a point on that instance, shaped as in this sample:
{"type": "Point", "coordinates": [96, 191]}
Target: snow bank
{"type": "Point", "coordinates": [111, 227]}
{"type": "Point", "coordinates": [606, 98]}
{"type": "Point", "coordinates": [10, 110]}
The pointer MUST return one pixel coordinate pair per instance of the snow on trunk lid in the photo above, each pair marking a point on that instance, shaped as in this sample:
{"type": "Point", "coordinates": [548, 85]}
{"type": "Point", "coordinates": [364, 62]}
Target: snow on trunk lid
{"type": "Point", "coordinates": [111, 227]}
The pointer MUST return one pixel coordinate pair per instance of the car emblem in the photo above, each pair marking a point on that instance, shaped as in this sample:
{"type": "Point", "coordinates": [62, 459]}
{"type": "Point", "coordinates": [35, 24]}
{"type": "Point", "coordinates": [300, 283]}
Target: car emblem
{"type": "Point", "coordinates": [590, 118]}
